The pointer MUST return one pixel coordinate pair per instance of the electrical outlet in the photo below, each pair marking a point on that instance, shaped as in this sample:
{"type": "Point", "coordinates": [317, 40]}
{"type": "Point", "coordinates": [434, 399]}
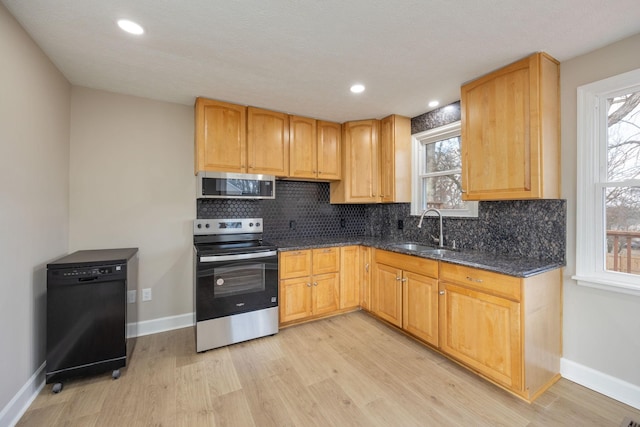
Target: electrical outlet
{"type": "Point", "coordinates": [292, 224]}
{"type": "Point", "coordinates": [400, 224]}
{"type": "Point", "coordinates": [146, 294]}
{"type": "Point", "coordinates": [343, 223]}
{"type": "Point", "coordinates": [131, 297]}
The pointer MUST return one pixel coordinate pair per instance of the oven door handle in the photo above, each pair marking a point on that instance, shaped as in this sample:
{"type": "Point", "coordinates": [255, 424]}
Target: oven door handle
{"type": "Point", "coordinates": [234, 257]}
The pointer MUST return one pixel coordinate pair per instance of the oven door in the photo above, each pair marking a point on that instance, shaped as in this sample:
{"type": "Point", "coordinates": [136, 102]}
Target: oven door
{"type": "Point", "coordinates": [233, 284]}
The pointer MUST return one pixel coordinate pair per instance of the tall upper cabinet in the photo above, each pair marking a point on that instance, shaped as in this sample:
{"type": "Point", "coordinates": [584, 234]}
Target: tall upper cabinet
{"type": "Point", "coordinates": [359, 164]}
{"type": "Point", "coordinates": [511, 132]}
{"type": "Point", "coordinates": [220, 136]}
{"type": "Point", "coordinates": [395, 159]}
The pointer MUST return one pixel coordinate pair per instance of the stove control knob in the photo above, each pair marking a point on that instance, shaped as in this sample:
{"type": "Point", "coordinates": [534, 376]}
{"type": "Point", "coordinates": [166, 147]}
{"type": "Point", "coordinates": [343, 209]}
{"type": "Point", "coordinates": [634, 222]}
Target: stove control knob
{"type": "Point", "coordinates": [199, 226]}
{"type": "Point", "coordinates": [207, 225]}
{"type": "Point", "coordinates": [250, 224]}
{"type": "Point", "coordinates": [257, 224]}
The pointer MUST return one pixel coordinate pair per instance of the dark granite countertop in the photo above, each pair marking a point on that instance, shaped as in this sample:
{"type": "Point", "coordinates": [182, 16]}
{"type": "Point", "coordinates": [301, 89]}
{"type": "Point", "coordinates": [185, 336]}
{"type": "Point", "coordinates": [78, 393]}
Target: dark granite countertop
{"type": "Point", "coordinates": [498, 263]}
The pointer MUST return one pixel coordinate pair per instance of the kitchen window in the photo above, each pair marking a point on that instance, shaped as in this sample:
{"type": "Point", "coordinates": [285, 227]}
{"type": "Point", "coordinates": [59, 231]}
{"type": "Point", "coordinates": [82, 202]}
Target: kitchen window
{"type": "Point", "coordinates": [608, 184]}
{"type": "Point", "coordinates": [437, 173]}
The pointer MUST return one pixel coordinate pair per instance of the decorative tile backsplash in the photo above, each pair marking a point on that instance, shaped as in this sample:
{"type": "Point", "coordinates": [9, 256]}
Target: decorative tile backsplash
{"type": "Point", "coordinates": [523, 228]}
{"type": "Point", "coordinates": [300, 209]}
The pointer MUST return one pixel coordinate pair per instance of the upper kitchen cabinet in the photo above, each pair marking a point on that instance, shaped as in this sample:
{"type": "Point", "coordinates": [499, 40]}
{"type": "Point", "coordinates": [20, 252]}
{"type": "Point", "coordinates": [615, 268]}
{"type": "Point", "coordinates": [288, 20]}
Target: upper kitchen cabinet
{"type": "Point", "coordinates": [511, 132]}
{"type": "Point", "coordinates": [329, 150]}
{"type": "Point", "coordinates": [267, 142]}
{"type": "Point", "coordinates": [359, 182]}
{"type": "Point", "coordinates": [395, 159]}
{"type": "Point", "coordinates": [220, 136]}
{"type": "Point", "coordinates": [314, 149]}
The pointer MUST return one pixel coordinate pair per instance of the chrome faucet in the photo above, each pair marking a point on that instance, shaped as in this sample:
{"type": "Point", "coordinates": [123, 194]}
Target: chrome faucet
{"type": "Point", "coordinates": [440, 241]}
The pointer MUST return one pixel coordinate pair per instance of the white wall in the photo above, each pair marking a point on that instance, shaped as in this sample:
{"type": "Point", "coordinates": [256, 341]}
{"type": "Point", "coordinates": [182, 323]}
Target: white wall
{"type": "Point", "coordinates": [132, 185]}
{"type": "Point", "coordinates": [601, 329]}
{"type": "Point", "coordinates": [34, 198]}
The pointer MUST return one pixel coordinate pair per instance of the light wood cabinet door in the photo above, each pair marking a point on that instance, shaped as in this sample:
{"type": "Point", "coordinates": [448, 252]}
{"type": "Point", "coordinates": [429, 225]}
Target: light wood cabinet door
{"type": "Point", "coordinates": [349, 277]}
{"type": "Point", "coordinates": [329, 137]}
{"type": "Point", "coordinates": [267, 142]}
{"type": "Point", "coordinates": [326, 260]}
{"type": "Point", "coordinates": [295, 299]}
{"type": "Point", "coordinates": [483, 332]}
{"type": "Point", "coordinates": [220, 136]}
{"type": "Point", "coordinates": [420, 306]}
{"type": "Point", "coordinates": [326, 293]}
{"type": "Point", "coordinates": [388, 294]}
{"type": "Point", "coordinates": [510, 132]}
{"type": "Point", "coordinates": [295, 264]}
{"type": "Point", "coordinates": [395, 159]}
{"type": "Point", "coordinates": [359, 182]}
{"type": "Point", "coordinates": [365, 282]}
{"type": "Point", "coordinates": [303, 148]}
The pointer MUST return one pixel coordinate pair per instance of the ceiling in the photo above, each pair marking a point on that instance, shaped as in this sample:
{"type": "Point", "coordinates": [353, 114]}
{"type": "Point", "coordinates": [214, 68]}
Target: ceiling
{"type": "Point", "coordinates": [301, 56]}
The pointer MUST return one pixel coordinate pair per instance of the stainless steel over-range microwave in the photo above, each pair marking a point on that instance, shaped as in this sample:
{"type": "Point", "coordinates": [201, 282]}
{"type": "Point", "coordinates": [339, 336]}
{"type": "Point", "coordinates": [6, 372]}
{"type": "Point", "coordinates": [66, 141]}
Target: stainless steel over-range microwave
{"type": "Point", "coordinates": [225, 185]}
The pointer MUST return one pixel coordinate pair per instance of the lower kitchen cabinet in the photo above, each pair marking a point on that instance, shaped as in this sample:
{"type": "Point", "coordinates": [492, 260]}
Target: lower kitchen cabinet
{"type": "Point", "coordinates": [349, 277]}
{"type": "Point", "coordinates": [309, 283]}
{"type": "Point", "coordinates": [420, 307]}
{"type": "Point", "coordinates": [506, 328]}
{"type": "Point", "coordinates": [365, 278]}
{"type": "Point", "coordinates": [406, 293]}
{"type": "Point", "coordinates": [387, 293]}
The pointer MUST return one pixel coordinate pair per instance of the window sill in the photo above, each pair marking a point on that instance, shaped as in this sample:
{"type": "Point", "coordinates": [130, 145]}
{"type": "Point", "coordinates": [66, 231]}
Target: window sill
{"type": "Point", "coordinates": [608, 285]}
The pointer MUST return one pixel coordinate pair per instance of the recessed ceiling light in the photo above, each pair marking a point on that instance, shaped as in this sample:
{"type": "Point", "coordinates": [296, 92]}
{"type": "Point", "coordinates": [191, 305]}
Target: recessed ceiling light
{"type": "Point", "coordinates": [433, 104]}
{"type": "Point", "coordinates": [130, 27]}
{"type": "Point", "coordinates": [357, 88]}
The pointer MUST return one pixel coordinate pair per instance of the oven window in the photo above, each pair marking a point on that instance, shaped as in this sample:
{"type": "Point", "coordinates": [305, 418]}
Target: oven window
{"type": "Point", "coordinates": [239, 279]}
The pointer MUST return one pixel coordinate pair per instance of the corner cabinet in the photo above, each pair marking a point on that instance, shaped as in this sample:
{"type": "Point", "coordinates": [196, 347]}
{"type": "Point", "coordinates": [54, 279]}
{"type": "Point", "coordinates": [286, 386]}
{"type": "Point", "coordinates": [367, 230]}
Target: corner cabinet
{"type": "Point", "coordinates": [511, 132]}
{"type": "Point", "coordinates": [220, 136]}
{"type": "Point", "coordinates": [359, 182]}
{"type": "Point", "coordinates": [505, 328]}
{"type": "Point", "coordinates": [376, 162]}
{"type": "Point", "coordinates": [267, 142]}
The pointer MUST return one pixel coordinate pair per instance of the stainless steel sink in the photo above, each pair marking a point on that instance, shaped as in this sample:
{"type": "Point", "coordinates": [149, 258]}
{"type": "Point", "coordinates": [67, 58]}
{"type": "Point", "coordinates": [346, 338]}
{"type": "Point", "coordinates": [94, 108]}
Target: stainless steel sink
{"type": "Point", "coordinates": [423, 249]}
{"type": "Point", "coordinates": [413, 247]}
{"type": "Point", "coordinates": [435, 251]}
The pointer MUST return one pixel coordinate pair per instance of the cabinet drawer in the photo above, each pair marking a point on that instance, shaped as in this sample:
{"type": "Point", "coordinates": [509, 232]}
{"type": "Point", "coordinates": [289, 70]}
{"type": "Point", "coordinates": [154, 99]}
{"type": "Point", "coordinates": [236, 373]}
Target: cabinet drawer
{"type": "Point", "coordinates": [295, 264]}
{"type": "Point", "coordinates": [426, 267]}
{"type": "Point", "coordinates": [326, 260]}
{"type": "Point", "coordinates": [485, 281]}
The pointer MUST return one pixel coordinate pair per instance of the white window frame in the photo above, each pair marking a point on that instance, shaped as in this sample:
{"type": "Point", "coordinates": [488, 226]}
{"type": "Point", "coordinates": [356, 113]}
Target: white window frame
{"type": "Point", "coordinates": [592, 175]}
{"type": "Point", "coordinates": [418, 142]}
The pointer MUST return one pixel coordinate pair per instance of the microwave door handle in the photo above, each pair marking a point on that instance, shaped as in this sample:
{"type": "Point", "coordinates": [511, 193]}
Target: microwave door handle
{"type": "Point", "coordinates": [236, 257]}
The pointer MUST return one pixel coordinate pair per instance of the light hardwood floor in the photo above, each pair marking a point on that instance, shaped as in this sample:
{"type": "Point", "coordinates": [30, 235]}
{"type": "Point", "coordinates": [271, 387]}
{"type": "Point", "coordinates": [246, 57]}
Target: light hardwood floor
{"type": "Point", "coordinates": [350, 370]}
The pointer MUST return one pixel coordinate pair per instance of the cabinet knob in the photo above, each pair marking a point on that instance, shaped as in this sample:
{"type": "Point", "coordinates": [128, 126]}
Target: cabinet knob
{"type": "Point", "coordinates": [398, 278]}
{"type": "Point", "coordinates": [441, 292]}
{"type": "Point", "coordinates": [308, 285]}
{"type": "Point", "coordinates": [404, 280]}
{"type": "Point", "coordinates": [471, 279]}
{"type": "Point", "coordinates": [315, 283]}
{"type": "Point", "coordinates": [366, 267]}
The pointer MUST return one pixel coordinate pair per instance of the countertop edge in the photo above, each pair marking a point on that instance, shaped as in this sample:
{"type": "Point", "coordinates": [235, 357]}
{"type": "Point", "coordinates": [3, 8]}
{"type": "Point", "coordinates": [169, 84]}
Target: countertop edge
{"type": "Point", "coordinates": [467, 258]}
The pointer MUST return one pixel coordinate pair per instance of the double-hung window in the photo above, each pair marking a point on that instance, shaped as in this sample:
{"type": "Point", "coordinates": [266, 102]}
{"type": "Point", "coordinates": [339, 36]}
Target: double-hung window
{"type": "Point", "coordinates": [437, 173]}
{"type": "Point", "coordinates": [608, 184]}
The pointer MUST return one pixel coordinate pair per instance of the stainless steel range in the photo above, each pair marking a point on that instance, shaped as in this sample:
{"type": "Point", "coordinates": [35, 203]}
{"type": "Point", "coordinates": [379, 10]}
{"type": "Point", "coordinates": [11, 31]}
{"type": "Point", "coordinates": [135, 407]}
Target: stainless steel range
{"type": "Point", "coordinates": [235, 282]}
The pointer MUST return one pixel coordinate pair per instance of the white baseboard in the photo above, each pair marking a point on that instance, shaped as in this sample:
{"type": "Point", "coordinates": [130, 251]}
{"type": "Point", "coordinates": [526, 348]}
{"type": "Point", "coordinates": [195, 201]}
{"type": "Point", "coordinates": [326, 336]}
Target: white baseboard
{"type": "Point", "coordinates": [15, 409]}
{"type": "Point", "coordinates": [162, 324]}
{"type": "Point", "coordinates": [603, 383]}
